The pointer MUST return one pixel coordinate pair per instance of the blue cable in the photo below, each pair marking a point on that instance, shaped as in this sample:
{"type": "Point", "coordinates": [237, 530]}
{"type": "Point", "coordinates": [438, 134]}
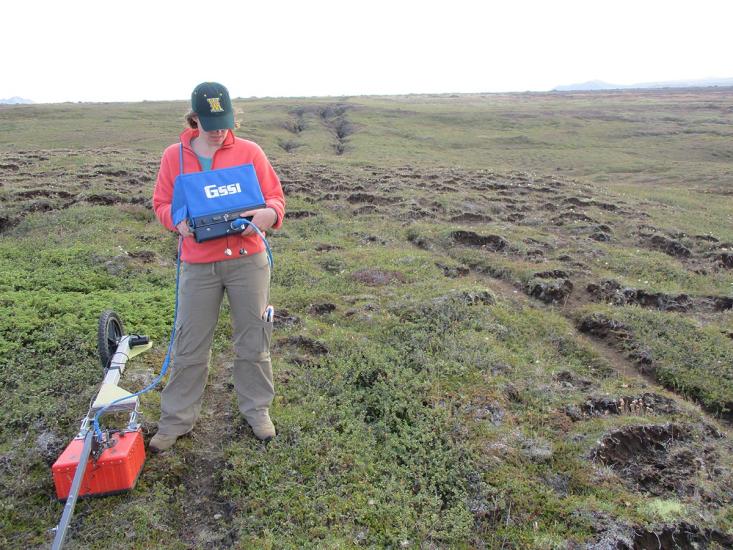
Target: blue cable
{"type": "Point", "coordinates": [236, 224]}
{"type": "Point", "coordinates": [166, 362]}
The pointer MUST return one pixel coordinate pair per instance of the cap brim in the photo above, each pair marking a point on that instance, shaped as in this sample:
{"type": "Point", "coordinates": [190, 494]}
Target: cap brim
{"type": "Point", "coordinates": [220, 122]}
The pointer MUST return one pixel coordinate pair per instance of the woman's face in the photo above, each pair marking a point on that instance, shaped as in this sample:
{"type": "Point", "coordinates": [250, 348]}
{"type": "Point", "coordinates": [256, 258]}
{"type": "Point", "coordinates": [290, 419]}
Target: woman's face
{"type": "Point", "coordinates": [215, 138]}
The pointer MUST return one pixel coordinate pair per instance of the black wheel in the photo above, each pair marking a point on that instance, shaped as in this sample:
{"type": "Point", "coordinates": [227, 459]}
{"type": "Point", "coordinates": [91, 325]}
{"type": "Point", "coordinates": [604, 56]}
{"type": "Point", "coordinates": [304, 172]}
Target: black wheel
{"type": "Point", "coordinates": [108, 336]}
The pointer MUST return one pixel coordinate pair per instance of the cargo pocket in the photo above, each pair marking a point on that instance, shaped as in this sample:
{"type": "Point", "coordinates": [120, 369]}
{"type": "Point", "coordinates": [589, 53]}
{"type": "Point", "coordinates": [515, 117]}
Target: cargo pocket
{"type": "Point", "coordinates": [254, 345]}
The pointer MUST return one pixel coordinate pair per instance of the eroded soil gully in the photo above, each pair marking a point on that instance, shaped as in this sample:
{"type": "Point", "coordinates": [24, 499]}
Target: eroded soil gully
{"type": "Point", "coordinates": [618, 360]}
{"type": "Point", "coordinates": [615, 358]}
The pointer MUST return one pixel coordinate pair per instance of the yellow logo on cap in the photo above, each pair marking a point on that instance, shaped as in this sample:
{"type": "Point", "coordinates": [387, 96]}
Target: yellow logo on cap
{"type": "Point", "coordinates": [215, 105]}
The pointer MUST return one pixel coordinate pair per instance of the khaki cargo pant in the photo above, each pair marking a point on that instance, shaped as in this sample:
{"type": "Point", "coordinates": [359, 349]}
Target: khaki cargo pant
{"type": "Point", "coordinates": [246, 281]}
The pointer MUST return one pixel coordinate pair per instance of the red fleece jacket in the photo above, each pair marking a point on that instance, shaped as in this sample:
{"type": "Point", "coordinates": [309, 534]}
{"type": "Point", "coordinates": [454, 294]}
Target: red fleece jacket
{"type": "Point", "coordinates": [234, 152]}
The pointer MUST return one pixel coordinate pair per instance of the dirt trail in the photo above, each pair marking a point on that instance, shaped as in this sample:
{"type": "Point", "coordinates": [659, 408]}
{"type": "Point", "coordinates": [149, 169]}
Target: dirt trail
{"type": "Point", "coordinates": [580, 297]}
{"type": "Point", "coordinates": [620, 363]}
{"type": "Point", "coordinates": [208, 515]}
{"type": "Point", "coordinates": [616, 359]}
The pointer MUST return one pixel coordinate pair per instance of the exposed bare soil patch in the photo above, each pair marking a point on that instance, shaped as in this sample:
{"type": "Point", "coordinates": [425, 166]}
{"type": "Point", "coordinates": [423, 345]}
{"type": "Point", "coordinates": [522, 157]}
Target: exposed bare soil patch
{"type": "Point", "coordinates": [209, 515]}
{"type": "Point", "coordinates": [663, 460]}
{"type": "Point", "coordinates": [648, 403]}
{"type": "Point", "coordinates": [552, 291]}
{"type": "Point", "coordinates": [678, 536]}
{"type": "Point", "coordinates": [303, 343]}
{"type": "Point", "coordinates": [491, 242]}
{"type": "Point", "coordinates": [611, 291]}
{"type": "Point", "coordinates": [45, 187]}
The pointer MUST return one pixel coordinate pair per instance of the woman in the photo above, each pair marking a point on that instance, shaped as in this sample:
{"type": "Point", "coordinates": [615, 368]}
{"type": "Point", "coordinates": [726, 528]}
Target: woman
{"type": "Point", "coordinates": [235, 264]}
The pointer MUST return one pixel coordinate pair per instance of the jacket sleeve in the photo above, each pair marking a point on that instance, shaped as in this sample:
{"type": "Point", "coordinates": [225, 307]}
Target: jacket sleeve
{"type": "Point", "coordinates": [163, 193]}
{"type": "Point", "coordinates": [270, 185]}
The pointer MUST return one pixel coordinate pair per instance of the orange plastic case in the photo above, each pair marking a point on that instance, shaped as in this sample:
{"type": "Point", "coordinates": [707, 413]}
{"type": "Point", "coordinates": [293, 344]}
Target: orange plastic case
{"type": "Point", "coordinates": [117, 468]}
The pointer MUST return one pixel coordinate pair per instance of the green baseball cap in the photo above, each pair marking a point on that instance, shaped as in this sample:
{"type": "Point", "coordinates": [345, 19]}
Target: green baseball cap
{"type": "Point", "coordinates": [210, 101]}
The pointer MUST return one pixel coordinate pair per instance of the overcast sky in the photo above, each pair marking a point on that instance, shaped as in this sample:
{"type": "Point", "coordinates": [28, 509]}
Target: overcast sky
{"type": "Point", "coordinates": [130, 50]}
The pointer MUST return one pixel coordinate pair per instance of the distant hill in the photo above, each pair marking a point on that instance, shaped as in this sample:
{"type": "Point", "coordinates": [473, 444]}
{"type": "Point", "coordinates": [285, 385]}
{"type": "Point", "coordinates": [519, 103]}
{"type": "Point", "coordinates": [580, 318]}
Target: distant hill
{"type": "Point", "coordinates": [590, 85]}
{"type": "Point", "coordinates": [600, 85]}
{"type": "Point", "coordinates": [15, 100]}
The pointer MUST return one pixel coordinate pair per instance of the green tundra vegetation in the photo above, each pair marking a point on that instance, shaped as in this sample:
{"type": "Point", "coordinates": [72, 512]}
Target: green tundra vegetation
{"type": "Point", "coordinates": [502, 321]}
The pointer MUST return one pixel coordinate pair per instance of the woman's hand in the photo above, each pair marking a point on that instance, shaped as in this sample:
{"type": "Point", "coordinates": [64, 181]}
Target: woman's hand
{"type": "Point", "coordinates": [183, 229]}
{"type": "Point", "coordinates": [263, 218]}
